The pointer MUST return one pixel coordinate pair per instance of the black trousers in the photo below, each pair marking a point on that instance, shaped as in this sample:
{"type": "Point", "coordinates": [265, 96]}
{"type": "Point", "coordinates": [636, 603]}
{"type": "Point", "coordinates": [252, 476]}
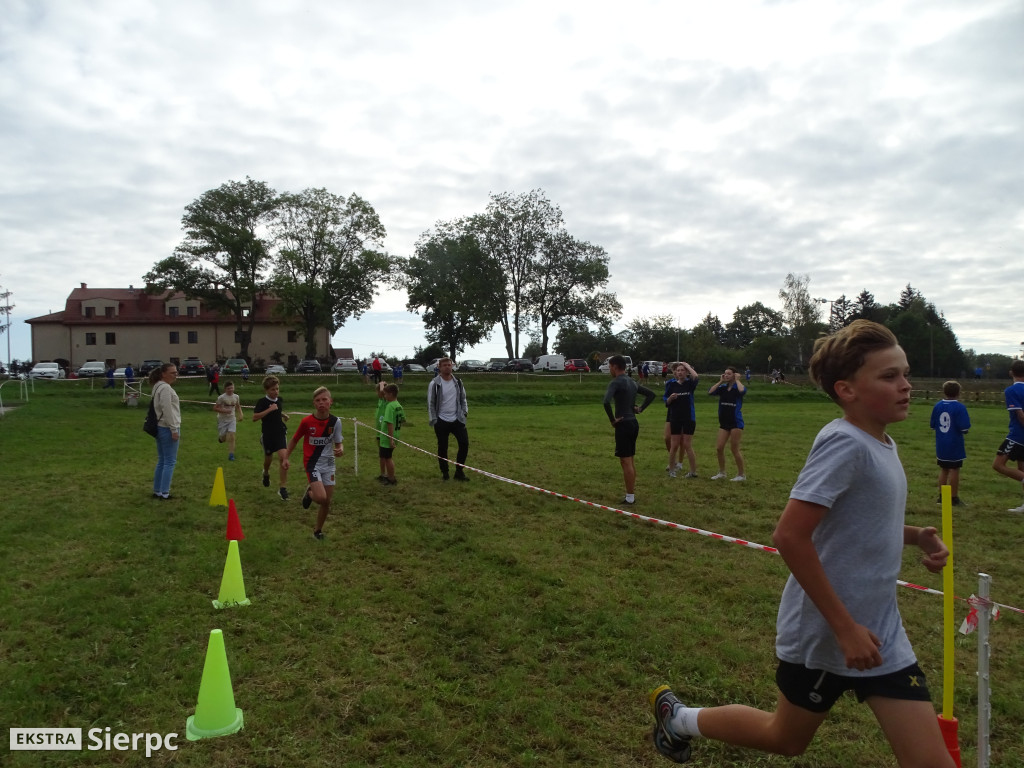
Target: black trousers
{"type": "Point", "coordinates": [443, 429]}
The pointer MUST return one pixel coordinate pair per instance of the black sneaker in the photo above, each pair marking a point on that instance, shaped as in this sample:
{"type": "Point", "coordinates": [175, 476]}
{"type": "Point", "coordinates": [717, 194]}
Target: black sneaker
{"type": "Point", "coordinates": [283, 493]}
{"type": "Point", "coordinates": [389, 481]}
{"type": "Point", "coordinates": [306, 499]}
{"type": "Point", "coordinates": [461, 477]}
{"type": "Point", "coordinates": [957, 502]}
{"type": "Point", "coordinates": [444, 478]}
{"type": "Point", "coordinates": [266, 480]}
{"type": "Point", "coordinates": [666, 741]}
{"type": "Point", "coordinates": [383, 479]}
{"type": "Point", "coordinates": [319, 535]}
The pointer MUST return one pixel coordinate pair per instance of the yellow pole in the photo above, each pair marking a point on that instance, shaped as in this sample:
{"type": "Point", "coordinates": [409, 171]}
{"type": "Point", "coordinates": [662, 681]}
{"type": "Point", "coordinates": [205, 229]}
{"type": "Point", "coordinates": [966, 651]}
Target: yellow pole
{"type": "Point", "coordinates": [947, 606]}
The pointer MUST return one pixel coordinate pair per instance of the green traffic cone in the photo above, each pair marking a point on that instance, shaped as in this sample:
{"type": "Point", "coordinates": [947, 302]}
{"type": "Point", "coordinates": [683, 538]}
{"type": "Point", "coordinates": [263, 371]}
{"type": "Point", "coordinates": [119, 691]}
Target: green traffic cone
{"type": "Point", "coordinates": [216, 714]}
{"type": "Point", "coordinates": [232, 586]}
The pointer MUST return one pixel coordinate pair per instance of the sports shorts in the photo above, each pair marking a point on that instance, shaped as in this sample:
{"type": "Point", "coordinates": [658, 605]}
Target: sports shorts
{"type": "Point", "coordinates": [817, 691]}
{"type": "Point", "coordinates": [1015, 451]}
{"type": "Point", "coordinates": [385, 453]}
{"type": "Point", "coordinates": [950, 464]}
{"type": "Point", "coordinates": [682, 425]}
{"type": "Point", "coordinates": [323, 472]}
{"type": "Point", "coordinates": [223, 427]}
{"type": "Point", "coordinates": [273, 443]}
{"type": "Point", "coordinates": [626, 432]}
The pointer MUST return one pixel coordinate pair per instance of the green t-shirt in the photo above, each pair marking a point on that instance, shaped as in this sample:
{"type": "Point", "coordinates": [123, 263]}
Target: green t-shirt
{"type": "Point", "coordinates": [377, 419]}
{"type": "Point", "coordinates": [393, 414]}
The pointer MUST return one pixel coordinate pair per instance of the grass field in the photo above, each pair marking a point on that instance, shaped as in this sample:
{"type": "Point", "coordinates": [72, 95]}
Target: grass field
{"type": "Point", "coordinates": [478, 624]}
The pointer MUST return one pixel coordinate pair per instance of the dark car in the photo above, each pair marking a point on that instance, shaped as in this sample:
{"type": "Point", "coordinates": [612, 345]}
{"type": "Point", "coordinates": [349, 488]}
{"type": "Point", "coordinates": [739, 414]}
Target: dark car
{"type": "Point", "coordinates": [518, 364]}
{"type": "Point", "coordinates": [149, 365]}
{"type": "Point", "coordinates": [472, 365]}
{"type": "Point", "coordinates": [497, 365]}
{"type": "Point", "coordinates": [192, 366]}
{"type": "Point", "coordinates": [308, 366]}
{"type": "Point", "coordinates": [577, 366]}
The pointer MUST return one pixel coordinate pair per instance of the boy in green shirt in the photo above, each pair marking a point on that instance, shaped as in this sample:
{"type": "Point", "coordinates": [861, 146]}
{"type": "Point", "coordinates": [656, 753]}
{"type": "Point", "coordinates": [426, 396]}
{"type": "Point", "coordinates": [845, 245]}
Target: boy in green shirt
{"type": "Point", "coordinates": [391, 429]}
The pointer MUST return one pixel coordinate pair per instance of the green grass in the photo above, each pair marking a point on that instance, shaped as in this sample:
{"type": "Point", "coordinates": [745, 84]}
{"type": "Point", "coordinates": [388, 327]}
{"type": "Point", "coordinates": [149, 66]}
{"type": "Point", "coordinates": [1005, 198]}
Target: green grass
{"type": "Point", "coordinates": [445, 624]}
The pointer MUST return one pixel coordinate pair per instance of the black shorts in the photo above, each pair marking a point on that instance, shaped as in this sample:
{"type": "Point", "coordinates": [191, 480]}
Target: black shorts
{"type": "Point", "coordinates": [626, 432]}
{"type": "Point", "coordinates": [682, 426]}
{"type": "Point", "coordinates": [273, 443]}
{"type": "Point", "coordinates": [950, 464]}
{"type": "Point", "coordinates": [1014, 451]}
{"type": "Point", "coordinates": [817, 691]}
{"type": "Point", "coordinates": [385, 453]}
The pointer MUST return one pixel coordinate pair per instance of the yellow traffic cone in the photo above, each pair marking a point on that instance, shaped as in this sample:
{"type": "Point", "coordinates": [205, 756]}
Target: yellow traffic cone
{"type": "Point", "coordinates": [216, 714]}
{"type": "Point", "coordinates": [219, 497]}
{"type": "Point", "coordinates": [232, 587]}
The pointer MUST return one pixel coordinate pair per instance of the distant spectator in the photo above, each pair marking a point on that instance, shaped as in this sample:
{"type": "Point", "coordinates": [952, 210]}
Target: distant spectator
{"type": "Point", "coordinates": [109, 383]}
{"type": "Point", "coordinates": [396, 373]}
{"type": "Point", "coordinates": [376, 369]}
{"type": "Point", "coordinates": [168, 415]}
{"type": "Point", "coordinates": [129, 374]}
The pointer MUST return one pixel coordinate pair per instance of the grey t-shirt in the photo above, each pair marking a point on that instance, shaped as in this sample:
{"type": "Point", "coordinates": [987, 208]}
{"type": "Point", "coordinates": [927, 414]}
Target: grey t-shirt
{"type": "Point", "coordinates": [860, 544]}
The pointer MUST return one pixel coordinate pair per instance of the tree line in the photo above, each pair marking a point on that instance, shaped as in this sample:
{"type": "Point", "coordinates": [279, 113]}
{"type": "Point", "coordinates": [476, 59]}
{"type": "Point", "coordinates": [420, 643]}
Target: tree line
{"type": "Point", "coordinates": [512, 267]}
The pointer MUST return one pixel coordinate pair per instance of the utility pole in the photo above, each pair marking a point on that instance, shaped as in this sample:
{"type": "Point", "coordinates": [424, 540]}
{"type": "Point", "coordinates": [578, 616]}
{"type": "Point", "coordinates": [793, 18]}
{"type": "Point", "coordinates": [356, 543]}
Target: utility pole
{"type": "Point", "coordinates": [5, 309]}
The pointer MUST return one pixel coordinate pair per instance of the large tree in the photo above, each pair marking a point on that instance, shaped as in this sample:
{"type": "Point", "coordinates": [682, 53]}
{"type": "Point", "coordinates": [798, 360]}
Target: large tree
{"type": "Point", "coordinates": [330, 261]}
{"type": "Point", "coordinates": [569, 276]}
{"type": "Point", "coordinates": [224, 257]}
{"type": "Point", "coordinates": [451, 281]}
{"type": "Point", "coordinates": [513, 232]}
{"type": "Point", "coordinates": [752, 322]}
{"type": "Point", "coordinates": [801, 312]}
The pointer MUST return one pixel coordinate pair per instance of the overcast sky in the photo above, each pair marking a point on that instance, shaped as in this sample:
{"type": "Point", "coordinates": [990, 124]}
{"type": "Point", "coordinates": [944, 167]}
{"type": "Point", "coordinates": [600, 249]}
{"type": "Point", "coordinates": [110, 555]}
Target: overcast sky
{"type": "Point", "coordinates": [710, 148]}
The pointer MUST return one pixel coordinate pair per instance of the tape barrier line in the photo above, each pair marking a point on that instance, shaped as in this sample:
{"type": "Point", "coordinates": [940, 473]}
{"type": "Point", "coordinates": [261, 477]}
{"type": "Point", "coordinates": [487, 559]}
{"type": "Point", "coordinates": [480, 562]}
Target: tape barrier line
{"type": "Point", "coordinates": [647, 518]}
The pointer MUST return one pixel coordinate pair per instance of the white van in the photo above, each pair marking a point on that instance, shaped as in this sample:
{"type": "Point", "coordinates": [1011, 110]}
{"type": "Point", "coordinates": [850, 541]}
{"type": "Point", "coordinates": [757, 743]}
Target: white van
{"type": "Point", "coordinates": [549, 363]}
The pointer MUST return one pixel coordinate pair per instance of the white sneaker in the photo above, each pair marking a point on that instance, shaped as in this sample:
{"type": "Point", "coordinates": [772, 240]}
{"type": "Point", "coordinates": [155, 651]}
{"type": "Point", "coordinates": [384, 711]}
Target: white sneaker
{"type": "Point", "coordinates": [719, 476]}
{"type": "Point", "coordinates": [678, 466]}
{"type": "Point", "coordinates": [1017, 510]}
{"type": "Point", "coordinates": [690, 474]}
{"type": "Point", "coordinates": [672, 473]}
{"type": "Point", "coordinates": [738, 479]}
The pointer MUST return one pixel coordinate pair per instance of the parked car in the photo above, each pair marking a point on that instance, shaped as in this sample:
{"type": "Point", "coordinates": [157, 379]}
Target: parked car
{"type": "Point", "coordinates": [518, 364]}
{"type": "Point", "coordinates": [308, 366]}
{"type": "Point", "coordinates": [413, 368]}
{"type": "Point", "coordinates": [432, 364]}
{"type": "Point", "coordinates": [192, 366]}
{"type": "Point", "coordinates": [550, 363]}
{"type": "Point", "coordinates": [234, 365]}
{"type": "Point", "coordinates": [497, 365]}
{"type": "Point", "coordinates": [119, 373]}
{"type": "Point", "coordinates": [577, 366]}
{"type": "Point", "coordinates": [654, 366]}
{"type": "Point", "coordinates": [147, 366]}
{"type": "Point", "coordinates": [472, 365]}
{"type": "Point", "coordinates": [274, 369]}
{"type": "Point", "coordinates": [345, 364]}
{"type": "Point", "coordinates": [46, 371]}
{"type": "Point", "coordinates": [92, 368]}
{"type": "Point", "coordinates": [603, 367]}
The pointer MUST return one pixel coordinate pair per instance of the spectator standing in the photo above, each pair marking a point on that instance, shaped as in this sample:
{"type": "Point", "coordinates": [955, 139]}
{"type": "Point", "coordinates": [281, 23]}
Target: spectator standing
{"type": "Point", "coordinates": [168, 436]}
{"type": "Point", "coordinates": [621, 393]}
{"type": "Point", "coordinates": [447, 408]}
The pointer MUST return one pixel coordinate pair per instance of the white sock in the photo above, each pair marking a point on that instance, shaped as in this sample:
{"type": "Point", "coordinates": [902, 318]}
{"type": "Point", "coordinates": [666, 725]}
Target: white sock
{"type": "Point", "coordinates": [684, 721]}
{"type": "Point", "coordinates": [630, 497]}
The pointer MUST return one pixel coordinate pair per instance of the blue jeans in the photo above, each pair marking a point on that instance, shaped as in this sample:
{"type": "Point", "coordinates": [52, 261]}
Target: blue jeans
{"type": "Point", "coordinates": [166, 458]}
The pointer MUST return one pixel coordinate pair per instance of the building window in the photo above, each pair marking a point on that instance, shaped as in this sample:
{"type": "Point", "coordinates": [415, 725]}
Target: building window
{"type": "Point", "coordinates": [174, 337]}
{"type": "Point", "coordinates": [89, 311]}
{"type": "Point", "coordinates": [90, 339]}
{"type": "Point", "coordinates": [108, 311]}
{"type": "Point", "coordinates": [172, 311]}
{"type": "Point", "coordinates": [111, 338]}
{"type": "Point", "coordinates": [192, 311]}
{"type": "Point", "coordinates": [293, 336]}
{"type": "Point", "coordinates": [193, 337]}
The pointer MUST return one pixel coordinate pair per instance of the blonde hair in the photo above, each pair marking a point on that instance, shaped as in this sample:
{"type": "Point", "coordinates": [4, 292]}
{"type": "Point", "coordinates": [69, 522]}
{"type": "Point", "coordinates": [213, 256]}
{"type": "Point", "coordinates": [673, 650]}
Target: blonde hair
{"type": "Point", "coordinates": [270, 381]}
{"type": "Point", "coordinates": [320, 391]}
{"type": "Point", "coordinates": [840, 356]}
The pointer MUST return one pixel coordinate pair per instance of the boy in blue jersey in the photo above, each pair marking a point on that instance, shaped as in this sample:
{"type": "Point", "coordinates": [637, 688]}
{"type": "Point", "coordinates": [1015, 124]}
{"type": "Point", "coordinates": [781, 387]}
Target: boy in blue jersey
{"type": "Point", "coordinates": [950, 422]}
{"type": "Point", "coordinates": [1012, 448]}
{"type": "Point", "coordinates": [842, 534]}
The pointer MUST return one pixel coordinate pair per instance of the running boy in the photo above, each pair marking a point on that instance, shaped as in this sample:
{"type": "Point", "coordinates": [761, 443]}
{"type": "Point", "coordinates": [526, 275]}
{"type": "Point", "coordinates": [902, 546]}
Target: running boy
{"type": "Point", "coordinates": [270, 413]}
{"type": "Point", "coordinates": [319, 431]}
{"type": "Point", "coordinates": [228, 407]}
{"type": "Point", "coordinates": [950, 422]}
{"type": "Point", "coordinates": [391, 429]}
{"type": "Point", "coordinates": [842, 535]}
{"type": "Point", "coordinates": [1012, 448]}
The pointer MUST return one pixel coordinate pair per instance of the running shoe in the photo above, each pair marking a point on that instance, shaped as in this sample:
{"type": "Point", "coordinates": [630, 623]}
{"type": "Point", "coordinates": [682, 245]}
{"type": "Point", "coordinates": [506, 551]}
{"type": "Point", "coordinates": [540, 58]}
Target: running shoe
{"type": "Point", "coordinates": [667, 741]}
{"type": "Point", "coordinates": [1017, 510]}
{"type": "Point", "coordinates": [319, 535]}
{"type": "Point", "coordinates": [719, 476]}
{"type": "Point", "coordinates": [306, 499]}
{"type": "Point", "coordinates": [283, 493]}
{"type": "Point", "coordinates": [266, 480]}
{"type": "Point", "coordinates": [738, 479]}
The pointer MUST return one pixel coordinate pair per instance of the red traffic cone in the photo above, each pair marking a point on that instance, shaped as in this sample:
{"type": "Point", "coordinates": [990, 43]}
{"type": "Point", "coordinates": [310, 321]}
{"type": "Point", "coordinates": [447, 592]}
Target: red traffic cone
{"type": "Point", "coordinates": [234, 532]}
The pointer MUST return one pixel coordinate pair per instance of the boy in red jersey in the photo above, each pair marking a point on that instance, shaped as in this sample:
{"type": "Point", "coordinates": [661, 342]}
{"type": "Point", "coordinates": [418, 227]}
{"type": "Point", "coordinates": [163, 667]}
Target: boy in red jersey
{"type": "Point", "coordinates": [319, 431]}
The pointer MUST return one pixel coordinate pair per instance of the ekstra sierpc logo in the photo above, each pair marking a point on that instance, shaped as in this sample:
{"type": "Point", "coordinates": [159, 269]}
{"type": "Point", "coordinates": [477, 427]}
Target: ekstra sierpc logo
{"type": "Point", "coordinates": [44, 739]}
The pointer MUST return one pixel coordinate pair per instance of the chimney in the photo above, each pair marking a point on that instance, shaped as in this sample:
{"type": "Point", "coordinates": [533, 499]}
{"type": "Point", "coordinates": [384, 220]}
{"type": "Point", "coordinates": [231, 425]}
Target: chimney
{"type": "Point", "coordinates": [84, 285]}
